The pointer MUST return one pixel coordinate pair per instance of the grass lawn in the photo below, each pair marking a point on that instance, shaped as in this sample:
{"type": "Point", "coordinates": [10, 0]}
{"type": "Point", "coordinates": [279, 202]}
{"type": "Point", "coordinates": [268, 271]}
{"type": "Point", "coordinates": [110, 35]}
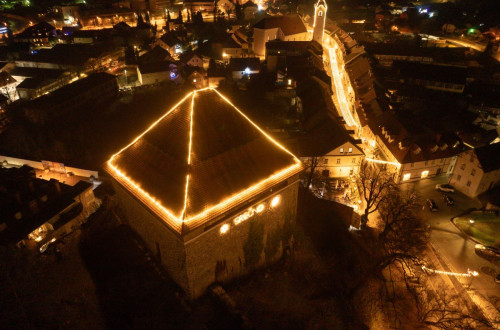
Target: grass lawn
{"type": "Point", "coordinates": [482, 226]}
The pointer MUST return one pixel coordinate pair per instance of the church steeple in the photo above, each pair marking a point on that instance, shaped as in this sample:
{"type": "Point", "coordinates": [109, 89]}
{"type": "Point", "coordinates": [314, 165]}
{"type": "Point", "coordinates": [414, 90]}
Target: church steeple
{"type": "Point", "coordinates": [319, 20]}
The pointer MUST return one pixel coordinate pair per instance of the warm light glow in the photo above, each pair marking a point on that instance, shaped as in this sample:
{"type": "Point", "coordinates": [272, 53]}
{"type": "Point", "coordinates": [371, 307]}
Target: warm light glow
{"type": "Point", "coordinates": [424, 174]}
{"type": "Point", "coordinates": [275, 201]}
{"type": "Point", "coordinates": [224, 229]}
{"type": "Point", "coordinates": [406, 176]}
{"type": "Point", "coordinates": [382, 161]}
{"type": "Point", "coordinates": [214, 210]}
{"type": "Point", "coordinates": [320, 10]}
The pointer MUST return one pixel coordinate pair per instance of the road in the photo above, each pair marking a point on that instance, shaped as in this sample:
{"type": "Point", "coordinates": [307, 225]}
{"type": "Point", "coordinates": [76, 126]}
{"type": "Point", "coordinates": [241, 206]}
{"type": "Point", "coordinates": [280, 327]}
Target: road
{"type": "Point", "coordinates": [456, 249]}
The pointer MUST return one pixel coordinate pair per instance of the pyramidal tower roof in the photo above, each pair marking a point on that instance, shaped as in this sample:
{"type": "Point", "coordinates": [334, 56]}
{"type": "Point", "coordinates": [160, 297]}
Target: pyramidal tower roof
{"type": "Point", "coordinates": [200, 159]}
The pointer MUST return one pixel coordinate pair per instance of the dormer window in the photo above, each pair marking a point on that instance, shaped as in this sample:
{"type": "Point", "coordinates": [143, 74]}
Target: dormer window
{"type": "Point", "coordinates": [320, 13]}
{"type": "Point", "coordinates": [341, 150]}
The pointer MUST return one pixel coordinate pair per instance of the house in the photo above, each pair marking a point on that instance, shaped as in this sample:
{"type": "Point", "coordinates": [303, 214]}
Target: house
{"type": "Point", "coordinates": [171, 43]}
{"type": "Point", "coordinates": [197, 184]}
{"type": "Point", "coordinates": [36, 82]}
{"type": "Point", "coordinates": [215, 76]}
{"type": "Point", "coordinates": [286, 28]}
{"type": "Point", "coordinates": [243, 67]}
{"type": "Point", "coordinates": [95, 89]}
{"type": "Point", "coordinates": [36, 212]}
{"type": "Point", "coordinates": [155, 55]}
{"type": "Point", "coordinates": [415, 155]}
{"type": "Point", "coordinates": [154, 73]}
{"type": "Point", "coordinates": [278, 53]}
{"type": "Point", "coordinates": [39, 34]}
{"type": "Point", "coordinates": [195, 76]}
{"type": "Point", "coordinates": [193, 58]}
{"type": "Point", "coordinates": [225, 6]}
{"type": "Point", "coordinates": [477, 170]}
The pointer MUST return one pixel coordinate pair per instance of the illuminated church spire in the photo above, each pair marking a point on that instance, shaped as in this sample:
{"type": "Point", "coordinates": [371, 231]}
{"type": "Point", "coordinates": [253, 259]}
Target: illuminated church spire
{"type": "Point", "coordinates": [319, 20]}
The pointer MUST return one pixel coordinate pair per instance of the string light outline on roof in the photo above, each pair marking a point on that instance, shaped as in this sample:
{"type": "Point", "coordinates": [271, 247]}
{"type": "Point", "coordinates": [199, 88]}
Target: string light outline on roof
{"type": "Point", "coordinates": [290, 170]}
{"type": "Point", "coordinates": [189, 156]}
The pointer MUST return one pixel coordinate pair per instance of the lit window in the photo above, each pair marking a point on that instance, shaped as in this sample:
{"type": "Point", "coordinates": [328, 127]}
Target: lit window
{"type": "Point", "coordinates": [289, 82]}
{"type": "Point", "coordinates": [320, 13]}
{"type": "Point", "coordinates": [338, 160]}
{"type": "Point", "coordinates": [350, 150]}
{"type": "Point", "coordinates": [468, 183]}
{"type": "Point", "coordinates": [224, 229]}
{"type": "Point", "coordinates": [275, 201]}
{"type": "Point", "coordinates": [325, 161]}
{"type": "Point", "coordinates": [341, 150]}
{"type": "Point", "coordinates": [424, 174]}
{"type": "Point", "coordinates": [406, 176]}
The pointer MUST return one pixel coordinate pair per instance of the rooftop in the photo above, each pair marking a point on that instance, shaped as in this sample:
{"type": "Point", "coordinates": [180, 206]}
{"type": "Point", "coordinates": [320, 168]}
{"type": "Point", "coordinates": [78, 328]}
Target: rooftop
{"type": "Point", "coordinates": [291, 24]}
{"type": "Point", "coordinates": [488, 157]}
{"type": "Point", "coordinates": [201, 159]}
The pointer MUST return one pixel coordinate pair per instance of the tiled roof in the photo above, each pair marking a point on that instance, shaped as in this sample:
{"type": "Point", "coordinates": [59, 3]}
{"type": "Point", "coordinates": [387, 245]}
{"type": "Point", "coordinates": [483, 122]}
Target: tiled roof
{"type": "Point", "coordinates": [189, 178]}
{"type": "Point", "coordinates": [288, 24]}
{"type": "Point", "coordinates": [489, 157]}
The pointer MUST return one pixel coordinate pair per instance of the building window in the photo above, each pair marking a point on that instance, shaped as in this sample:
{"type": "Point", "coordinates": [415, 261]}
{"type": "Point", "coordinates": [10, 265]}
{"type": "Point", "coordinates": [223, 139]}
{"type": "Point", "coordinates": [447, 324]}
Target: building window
{"type": "Point", "coordinates": [350, 150]}
{"type": "Point", "coordinates": [406, 176]}
{"type": "Point", "coordinates": [338, 160]}
{"type": "Point", "coordinates": [325, 161]}
{"type": "Point", "coordinates": [459, 177]}
{"type": "Point", "coordinates": [473, 172]}
{"type": "Point", "coordinates": [354, 160]}
{"type": "Point", "coordinates": [341, 150]}
{"type": "Point", "coordinates": [468, 183]}
{"type": "Point", "coordinates": [424, 174]}
{"type": "Point", "coordinates": [462, 167]}
{"type": "Point", "coordinates": [320, 13]}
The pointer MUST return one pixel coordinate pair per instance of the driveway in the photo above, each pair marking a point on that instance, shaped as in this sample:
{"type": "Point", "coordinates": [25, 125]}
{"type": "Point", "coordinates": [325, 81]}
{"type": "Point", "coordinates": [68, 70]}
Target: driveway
{"type": "Point", "coordinates": [454, 248]}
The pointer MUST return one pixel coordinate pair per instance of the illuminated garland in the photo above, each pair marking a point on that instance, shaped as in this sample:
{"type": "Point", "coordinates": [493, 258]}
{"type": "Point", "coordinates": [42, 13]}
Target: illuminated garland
{"type": "Point", "coordinates": [470, 273]}
{"type": "Point", "coordinates": [168, 215]}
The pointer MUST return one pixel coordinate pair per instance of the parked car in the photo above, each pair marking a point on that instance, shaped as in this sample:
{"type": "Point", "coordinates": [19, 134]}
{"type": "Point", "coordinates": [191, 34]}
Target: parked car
{"type": "Point", "coordinates": [487, 252]}
{"type": "Point", "coordinates": [448, 200]}
{"type": "Point", "coordinates": [432, 205]}
{"type": "Point", "coordinates": [445, 188]}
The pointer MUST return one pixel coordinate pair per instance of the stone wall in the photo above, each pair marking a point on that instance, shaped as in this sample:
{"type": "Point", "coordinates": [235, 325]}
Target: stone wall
{"type": "Point", "coordinates": [213, 256]}
{"type": "Point", "coordinates": [159, 239]}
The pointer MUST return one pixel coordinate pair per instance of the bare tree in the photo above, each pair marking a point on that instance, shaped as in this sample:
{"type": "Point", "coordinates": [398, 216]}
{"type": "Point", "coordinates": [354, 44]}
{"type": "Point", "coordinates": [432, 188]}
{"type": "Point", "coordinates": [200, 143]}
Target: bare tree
{"type": "Point", "coordinates": [373, 183]}
{"type": "Point", "coordinates": [441, 309]}
{"type": "Point", "coordinates": [311, 164]}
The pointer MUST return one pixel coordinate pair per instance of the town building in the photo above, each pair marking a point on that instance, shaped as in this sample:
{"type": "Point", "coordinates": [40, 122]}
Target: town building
{"type": "Point", "coordinates": [477, 170]}
{"type": "Point", "coordinates": [170, 42]}
{"type": "Point", "coordinates": [279, 54]}
{"type": "Point", "coordinates": [39, 34]}
{"type": "Point", "coordinates": [36, 212]}
{"type": "Point", "coordinates": [243, 67]}
{"type": "Point", "coordinates": [319, 21]}
{"type": "Point", "coordinates": [201, 184]}
{"type": "Point", "coordinates": [94, 89]}
{"type": "Point", "coordinates": [249, 9]}
{"type": "Point", "coordinates": [157, 72]}
{"type": "Point", "coordinates": [444, 78]}
{"type": "Point", "coordinates": [8, 85]}
{"type": "Point", "coordinates": [285, 28]}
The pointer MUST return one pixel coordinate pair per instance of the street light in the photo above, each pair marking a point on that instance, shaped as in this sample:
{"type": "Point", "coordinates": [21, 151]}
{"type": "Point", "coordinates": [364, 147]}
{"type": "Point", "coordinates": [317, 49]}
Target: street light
{"type": "Point", "coordinates": [126, 79]}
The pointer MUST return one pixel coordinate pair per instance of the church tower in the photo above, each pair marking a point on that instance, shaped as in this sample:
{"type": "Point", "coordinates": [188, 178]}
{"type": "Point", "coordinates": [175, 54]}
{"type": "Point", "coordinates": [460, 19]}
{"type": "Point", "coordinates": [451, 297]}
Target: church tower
{"type": "Point", "coordinates": [319, 20]}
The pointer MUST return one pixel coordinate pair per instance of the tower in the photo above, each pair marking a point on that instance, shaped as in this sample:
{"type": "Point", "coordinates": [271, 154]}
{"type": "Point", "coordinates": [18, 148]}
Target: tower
{"type": "Point", "coordinates": [319, 20]}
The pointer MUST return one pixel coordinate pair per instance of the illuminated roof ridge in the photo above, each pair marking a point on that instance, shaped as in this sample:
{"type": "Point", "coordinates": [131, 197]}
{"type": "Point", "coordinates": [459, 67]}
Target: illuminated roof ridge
{"type": "Point", "coordinates": [200, 158]}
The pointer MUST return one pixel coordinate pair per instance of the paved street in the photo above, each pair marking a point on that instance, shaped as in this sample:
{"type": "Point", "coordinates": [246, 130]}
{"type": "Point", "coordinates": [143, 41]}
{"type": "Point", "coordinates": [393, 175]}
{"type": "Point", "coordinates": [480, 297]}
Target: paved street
{"type": "Point", "coordinates": [454, 248]}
